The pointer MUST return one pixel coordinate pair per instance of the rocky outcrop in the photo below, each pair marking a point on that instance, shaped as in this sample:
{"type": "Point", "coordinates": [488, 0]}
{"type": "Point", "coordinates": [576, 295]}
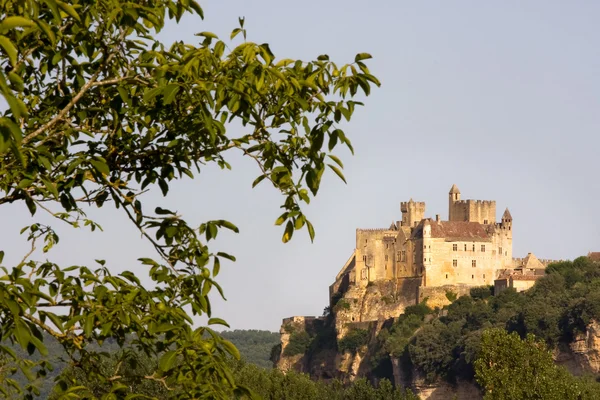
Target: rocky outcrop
{"type": "Point", "coordinates": [582, 355]}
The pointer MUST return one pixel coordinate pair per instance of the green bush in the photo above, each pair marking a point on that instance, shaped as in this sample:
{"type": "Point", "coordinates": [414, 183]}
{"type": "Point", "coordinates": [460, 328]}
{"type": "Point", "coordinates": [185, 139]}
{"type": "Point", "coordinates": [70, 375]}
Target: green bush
{"type": "Point", "coordinates": [299, 342]}
{"type": "Point", "coordinates": [450, 295]}
{"type": "Point", "coordinates": [354, 339]}
{"type": "Point", "coordinates": [482, 292]}
{"type": "Point", "coordinates": [342, 305]}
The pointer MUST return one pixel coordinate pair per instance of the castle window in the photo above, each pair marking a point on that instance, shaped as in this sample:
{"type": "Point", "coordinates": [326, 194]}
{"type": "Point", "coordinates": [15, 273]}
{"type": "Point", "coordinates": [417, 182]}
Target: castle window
{"type": "Point", "coordinates": [483, 276]}
{"type": "Point", "coordinates": [424, 247]}
{"type": "Point", "coordinates": [500, 250]}
{"type": "Point", "coordinates": [483, 248]}
{"type": "Point", "coordinates": [472, 276]}
{"type": "Point", "coordinates": [387, 246]}
{"type": "Point", "coordinates": [485, 221]}
{"type": "Point", "coordinates": [365, 258]}
{"type": "Point", "coordinates": [424, 259]}
{"type": "Point", "coordinates": [446, 276]}
{"type": "Point", "coordinates": [454, 247]}
{"type": "Point", "coordinates": [465, 247]}
{"type": "Point", "coordinates": [473, 246]}
{"type": "Point", "coordinates": [455, 263]}
{"type": "Point", "coordinates": [403, 256]}
{"type": "Point", "coordinates": [473, 263]}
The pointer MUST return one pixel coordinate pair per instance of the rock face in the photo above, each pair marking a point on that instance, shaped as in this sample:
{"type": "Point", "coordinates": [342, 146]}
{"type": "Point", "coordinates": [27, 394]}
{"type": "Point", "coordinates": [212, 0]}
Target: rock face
{"type": "Point", "coordinates": [370, 309]}
{"type": "Point", "coordinates": [582, 356]}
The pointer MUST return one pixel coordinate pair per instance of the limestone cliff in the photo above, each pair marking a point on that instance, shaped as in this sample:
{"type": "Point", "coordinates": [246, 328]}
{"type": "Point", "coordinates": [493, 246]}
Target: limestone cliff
{"type": "Point", "coordinates": [582, 355]}
{"type": "Point", "coordinates": [323, 346]}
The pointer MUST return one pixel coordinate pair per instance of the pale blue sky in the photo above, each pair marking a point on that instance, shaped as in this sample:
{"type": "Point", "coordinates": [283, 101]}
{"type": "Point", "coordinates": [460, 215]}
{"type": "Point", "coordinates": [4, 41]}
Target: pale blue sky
{"type": "Point", "coordinates": [501, 98]}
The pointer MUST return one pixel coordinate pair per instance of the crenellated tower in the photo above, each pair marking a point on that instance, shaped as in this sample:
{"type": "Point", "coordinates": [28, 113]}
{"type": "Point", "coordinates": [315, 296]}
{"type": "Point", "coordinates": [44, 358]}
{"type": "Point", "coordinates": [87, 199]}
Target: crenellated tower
{"type": "Point", "coordinates": [412, 212]}
{"type": "Point", "coordinates": [482, 211]}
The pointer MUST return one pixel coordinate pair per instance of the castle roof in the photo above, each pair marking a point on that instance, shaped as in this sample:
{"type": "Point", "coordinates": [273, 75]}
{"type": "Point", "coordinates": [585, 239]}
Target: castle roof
{"type": "Point", "coordinates": [454, 189]}
{"type": "Point", "coordinates": [594, 255]}
{"type": "Point", "coordinates": [532, 262]}
{"type": "Point", "coordinates": [506, 214]}
{"type": "Point", "coordinates": [455, 231]}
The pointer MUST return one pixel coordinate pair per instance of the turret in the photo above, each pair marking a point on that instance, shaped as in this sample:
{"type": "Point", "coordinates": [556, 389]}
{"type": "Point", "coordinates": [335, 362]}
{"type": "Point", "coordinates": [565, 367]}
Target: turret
{"type": "Point", "coordinates": [506, 220]}
{"type": "Point", "coordinates": [453, 196]}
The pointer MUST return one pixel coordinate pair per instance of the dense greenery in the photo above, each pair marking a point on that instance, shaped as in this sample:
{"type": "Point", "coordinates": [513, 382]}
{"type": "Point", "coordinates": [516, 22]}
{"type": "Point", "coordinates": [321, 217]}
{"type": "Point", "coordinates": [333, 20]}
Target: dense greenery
{"type": "Point", "coordinates": [101, 112]}
{"type": "Point", "coordinates": [510, 368]}
{"type": "Point", "coordinates": [298, 344]}
{"type": "Point", "coordinates": [272, 384]}
{"type": "Point", "coordinates": [254, 345]}
{"type": "Point", "coordinates": [559, 306]}
{"type": "Point", "coordinates": [353, 340]}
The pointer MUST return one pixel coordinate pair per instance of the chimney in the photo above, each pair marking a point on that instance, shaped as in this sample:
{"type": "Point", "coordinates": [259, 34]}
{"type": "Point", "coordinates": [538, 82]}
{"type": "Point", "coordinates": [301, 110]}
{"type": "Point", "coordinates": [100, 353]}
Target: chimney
{"type": "Point", "coordinates": [437, 217]}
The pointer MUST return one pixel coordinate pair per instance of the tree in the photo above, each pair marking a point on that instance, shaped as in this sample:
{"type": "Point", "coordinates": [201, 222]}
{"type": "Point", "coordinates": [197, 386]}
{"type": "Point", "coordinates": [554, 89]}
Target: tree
{"type": "Point", "coordinates": [511, 368]}
{"type": "Point", "coordinates": [99, 112]}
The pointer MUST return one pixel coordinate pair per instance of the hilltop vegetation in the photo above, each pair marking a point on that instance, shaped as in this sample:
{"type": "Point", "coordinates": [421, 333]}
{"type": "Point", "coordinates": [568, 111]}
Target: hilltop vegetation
{"type": "Point", "coordinates": [254, 345]}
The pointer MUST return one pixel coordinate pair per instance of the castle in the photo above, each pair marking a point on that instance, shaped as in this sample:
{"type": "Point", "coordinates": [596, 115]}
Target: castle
{"type": "Point", "coordinates": [416, 259]}
{"type": "Point", "coordinates": [469, 249]}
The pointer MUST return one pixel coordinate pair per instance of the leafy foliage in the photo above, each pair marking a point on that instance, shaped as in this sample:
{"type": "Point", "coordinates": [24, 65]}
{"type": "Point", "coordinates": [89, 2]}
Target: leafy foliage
{"type": "Point", "coordinates": [100, 112]}
{"type": "Point", "coordinates": [511, 368]}
{"type": "Point", "coordinates": [482, 292]}
{"type": "Point", "coordinates": [299, 343]}
{"type": "Point", "coordinates": [254, 345]}
{"type": "Point", "coordinates": [353, 340]}
{"type": "Point", "coordinates": [555, 310]}
{"type": "Point", "coordinates": [273, 384]}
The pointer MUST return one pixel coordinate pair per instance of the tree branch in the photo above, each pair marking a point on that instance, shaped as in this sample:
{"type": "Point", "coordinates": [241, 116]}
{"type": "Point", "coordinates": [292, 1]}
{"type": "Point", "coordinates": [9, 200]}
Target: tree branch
{"type": "Point", "coordinates": [74, 100]}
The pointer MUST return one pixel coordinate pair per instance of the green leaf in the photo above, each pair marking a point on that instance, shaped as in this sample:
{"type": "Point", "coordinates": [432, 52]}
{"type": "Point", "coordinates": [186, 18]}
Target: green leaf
{"type": "Point", "coordinates": [337, 172]}
{"type": "Point", "coordinates": [163, 211]}
{"type": "Point", "coordinates": [47, 30]}
{"type": "Point", "coordinates": [208, 35]}
{"type": "Point", "coordinates": [303, 193]}
{"type": "Point", "coordinates": [167, 360]}
{"type": "Point", "coordinates": [1, 256]}
{"type": "Point", "coordinates": [281, 219]}
{"type": "Point", "coordinates": [51, 187]}
{"type": "Point", "coordinates": [224, 255]}
{"type": "Point", "coordinates": [231, 349]}
{"type": "Point", "coordinates": [22, 333]}
{"type": "Point", "coordinates": [100, 166]}
{"type": "Point", "coordinates": [258, 180]}
{"type": "Point", "coordinates": [289, 231]}
{"type": "Point", "coordinates": [311, 230]}
{"type": "Point", "coordinates": [169, 93]}
{"type": "Point", "coordinates": [336, 160]}
{"type": "Point", "coordinates": [13, 22]}
{"type": "Point", "coordinates": [69, 10]}
{"type": "Point", "coordinates": [9, 48]}
{"type": "Point", "coordinates": [362, 56]}
{"type": "Point", "coordinates": [228, 225]}
{"type": "Point", "coordinates": [218, 321]}
{"type": "Point", "coordinates": [234, 33]}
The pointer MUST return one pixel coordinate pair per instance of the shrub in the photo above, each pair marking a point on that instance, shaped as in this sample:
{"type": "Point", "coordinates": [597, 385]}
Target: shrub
{"type": "Point", "coordinates": [420, 310]}
{"type": "Point", "coordinates": [482, 292]}
{"type": "Point", "coordinates": [342, 305]}
{"type": "Point", "coordinates": [450, 295]}
{"type": "Point", "coordinates": [299, 342]}
{"type": "Point", "coordinates": [353, 340]}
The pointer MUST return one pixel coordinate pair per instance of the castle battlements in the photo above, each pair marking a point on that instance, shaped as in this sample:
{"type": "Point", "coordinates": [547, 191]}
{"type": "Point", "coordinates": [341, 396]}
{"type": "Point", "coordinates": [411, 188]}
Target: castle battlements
{"type": "Point", "coordinates": [488, 203]}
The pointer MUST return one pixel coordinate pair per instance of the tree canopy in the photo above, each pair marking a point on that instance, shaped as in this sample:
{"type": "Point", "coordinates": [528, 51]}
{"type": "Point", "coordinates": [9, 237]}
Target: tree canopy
{"type": "Point", "coordinates": [99, 112]}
